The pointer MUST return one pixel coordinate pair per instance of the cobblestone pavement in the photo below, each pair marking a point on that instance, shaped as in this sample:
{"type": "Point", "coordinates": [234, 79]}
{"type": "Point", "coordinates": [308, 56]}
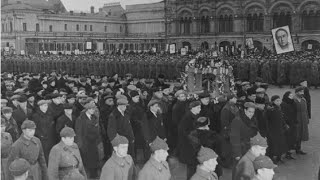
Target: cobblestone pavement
{"type": "Point", "coordinates": [303, 168]}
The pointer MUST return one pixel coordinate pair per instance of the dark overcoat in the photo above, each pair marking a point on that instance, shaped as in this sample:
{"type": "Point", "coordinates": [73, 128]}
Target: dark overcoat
{"type": "Point", "coordinates": [137, 119]}
{"type": "Point", "coordinates": [88, 138]}
{"type": "Point", "coordinates": [45, 131]}
{"type": "Point", "coordinates": [290, 117]}
{"type": "Point", "coordinates": [153, 127]}
{"type": "Point", "coordinates": [302, 119]}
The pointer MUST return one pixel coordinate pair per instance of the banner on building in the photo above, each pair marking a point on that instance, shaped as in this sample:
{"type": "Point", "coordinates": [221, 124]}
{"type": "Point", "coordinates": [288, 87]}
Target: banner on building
{"type": "Point", "coordinates": [221, 49]}
{"type": "Point", "coordinates": [249, 43]}
{"type": "Point", "coordinates": [6, 49]}
{"type": "Point", "coordinates": [154, 49]}
{"type": "Point", "coordinates": [172, 48]}
{"type": "Point", "coordinates": [76, 51]}
{"type": "Point", "coordinates": [99, 46]}
{"type": "Point", "coordinates": [89, 45]}
{"type": "Point", "coordinates": [282, 39]}
{"type": "Point", "coordinates": [215, 54]}
{"type": "Point", "coordinates": [183, 51]}
{"type": "Point", "coordinates": [23, 52]}
{"type": "Point", "coordinates": [242, 54]}
{"type": "Point", "coordinates": [309, 46]}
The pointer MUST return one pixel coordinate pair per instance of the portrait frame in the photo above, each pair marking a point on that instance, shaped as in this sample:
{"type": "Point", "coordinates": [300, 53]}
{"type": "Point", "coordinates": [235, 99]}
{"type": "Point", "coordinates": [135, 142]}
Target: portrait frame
{"type": "Point", "coordinates": [285, 44]}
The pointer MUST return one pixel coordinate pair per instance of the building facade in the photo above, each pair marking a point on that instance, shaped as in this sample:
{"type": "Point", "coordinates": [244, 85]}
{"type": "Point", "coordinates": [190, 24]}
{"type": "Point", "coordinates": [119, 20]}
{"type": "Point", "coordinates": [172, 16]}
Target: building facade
{"type": "Point", "coordinates": [227, 23]}
{"type": "Point", "coordinates": [38, 26]}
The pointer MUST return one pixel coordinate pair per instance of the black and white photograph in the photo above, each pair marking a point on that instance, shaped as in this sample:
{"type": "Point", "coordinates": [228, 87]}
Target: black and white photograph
{"type": "Point", "coordinates": [282, 39]}
{"type": "Point", "coordinates": [160, 90]}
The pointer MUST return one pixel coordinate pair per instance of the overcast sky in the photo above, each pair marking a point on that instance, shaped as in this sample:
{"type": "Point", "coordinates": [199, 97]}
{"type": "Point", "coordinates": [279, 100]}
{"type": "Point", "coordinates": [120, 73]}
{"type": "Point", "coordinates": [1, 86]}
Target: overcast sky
{"type": "Point", "coordinates": [84, 5]}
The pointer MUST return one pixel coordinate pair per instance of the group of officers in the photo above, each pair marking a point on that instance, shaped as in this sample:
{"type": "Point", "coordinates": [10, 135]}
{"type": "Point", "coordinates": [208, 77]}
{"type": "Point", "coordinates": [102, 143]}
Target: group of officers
{"type": "Point", "coordinates": [60, 127]}
{"type": "Point", "coordinates": [273, 69]}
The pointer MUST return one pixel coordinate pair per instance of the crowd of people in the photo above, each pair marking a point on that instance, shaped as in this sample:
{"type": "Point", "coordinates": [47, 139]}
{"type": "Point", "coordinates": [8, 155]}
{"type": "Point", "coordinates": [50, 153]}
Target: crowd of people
{"type": "Point", "coordinates": [273, 69]}
{"type": "Point", "coordinates": [56, 126]}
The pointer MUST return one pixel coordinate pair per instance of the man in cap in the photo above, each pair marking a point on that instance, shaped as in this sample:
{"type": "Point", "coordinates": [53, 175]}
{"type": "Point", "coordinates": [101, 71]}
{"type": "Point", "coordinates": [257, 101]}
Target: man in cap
{"type": "Point", "coordinates": [79, 104]}
{"type": "Point", "coordinates": [45, 127]}
{"type": "Point", "coordinates": [159, 81]}
{"type": "Point", "coordinates": [208, 162]}
{"type": "Point", "coordinates": [251, 95]}
{"type": "Point", "coordinates": [65, 160]}
{"type": "Point", "coordinates": [6, 143]}
{"type": "Point", "coordinates": [264, 168]}
{"type": "Point", "coordinates": [22, 112]}
{"type": "Point", "coordinates": [55, 108]}
{"type": "Point", "coordinates": [106, 107]}
{"type": "Point", "coordinates": [302, 119]}
{"type": "Point", "coordinates": [29, 148]}
{"type": "Point", "coordinates": [66, 119]}
{"type": "Point", "coordinates": [88, 138]}
{"type": "Point", "coordinates": [243, 127]}
{"type": "Point", "coordinates": [228, 113]}
{"type": "Point", "coordinates": [70, 99]}
{"type": "Point", "coordinates": [244, 168]}
{"type": "Point", "coordinates": [187, 125]}
{"type": "Point", "coordinates": [157, 167]}
{"type": "Point", "coordinates": [119, 123]}
{"type": "Point", "coordinates": [10, 123]}
{"type": "Point", "coordinates": [120, 165]}
{"type": "Point", "coordinates": [207, 110]}
{"type": "Point", "coordinates": [306, 95]}
{"type": "Point", "coordinates": [153, 125]}
{"type": "Point", "coordinates": [31, 102]}
{"type": "Point", "coordinates": [178, 110]}
{"type": "Point", "coordinates": [19, 169]}
{"type": "Point", "coordinates": [203, 136]}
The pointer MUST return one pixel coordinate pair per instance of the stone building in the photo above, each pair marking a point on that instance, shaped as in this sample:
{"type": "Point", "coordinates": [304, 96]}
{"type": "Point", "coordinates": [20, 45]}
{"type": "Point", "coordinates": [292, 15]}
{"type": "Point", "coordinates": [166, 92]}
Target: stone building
{"type": "Point", "coordinates": [38, 26]}
{"type": "Point", "coordinates": [228, 23]}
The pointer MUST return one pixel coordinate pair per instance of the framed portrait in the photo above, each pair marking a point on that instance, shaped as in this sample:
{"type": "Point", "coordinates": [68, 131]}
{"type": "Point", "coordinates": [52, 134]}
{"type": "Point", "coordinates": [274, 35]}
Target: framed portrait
{"type": "Point", "coordinates": [249, 43]}
{"type": "Point", "coordinates": [282, 39]}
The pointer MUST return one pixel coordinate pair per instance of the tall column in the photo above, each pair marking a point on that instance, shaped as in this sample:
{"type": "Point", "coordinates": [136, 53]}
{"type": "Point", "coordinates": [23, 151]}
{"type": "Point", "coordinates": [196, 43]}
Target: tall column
{"type": "Point", "coordinates": [212, 25]}
{"type": "Point", "coordinates": [238, 25]}
{"type": "Point", "coordinates": [194, 26]}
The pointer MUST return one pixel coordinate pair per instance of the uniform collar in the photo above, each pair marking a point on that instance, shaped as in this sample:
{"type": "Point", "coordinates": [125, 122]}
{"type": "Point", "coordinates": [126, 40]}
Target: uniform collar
{"type": "Point", "coordinates": [64, 146]}
{"type": "Point", "coordinates": [158, 165]}
{"type": "Point", "coordinates": [205, 174]}
{"type": "Point", "coordinates": [119, 160]}
{"type": "Point", "coordinates": [251, 156]}
{"type": "Point", "coordinates": [27, 141]}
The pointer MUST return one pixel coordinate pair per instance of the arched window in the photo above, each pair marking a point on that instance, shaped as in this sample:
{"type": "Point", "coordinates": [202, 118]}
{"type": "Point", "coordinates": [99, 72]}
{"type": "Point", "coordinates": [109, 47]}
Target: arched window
{"type": "Point", "coordinates": [255, 22]}
{"type": "Point", "coordinates": [261, 22]}
{"type": "Point", "coordinates": [249, 23]}
{"type": "Point", "coordinates": [205, 24]}
{"type": "Point", "coordinates": [282, 19]}
{"type": "Point", "coordinates": [310, 20]}
{"type": "Point", "coordinates": [185, 23]}
{"type": "Point", "coordinates": [221, 24]}
{"type": "Point", "coordinates": [230, 29]}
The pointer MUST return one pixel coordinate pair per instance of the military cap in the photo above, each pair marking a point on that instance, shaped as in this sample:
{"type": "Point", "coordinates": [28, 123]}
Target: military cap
{"type": "Point", "coordinates": [264, 85]}
{"type": "Point", "coordinates": [260, 100]}
{"type": "Point", "coordinates": [109, 96]}
{"type": "Point", "coordinates": [15, 97]}
{"type": "Point", "coordinates": [4, 101]}
{"type": "Point", "coordinates": [245, 83]}
{"type": "Point", "coordinates": [67, 106]}
{"type": "Point", "coordinates": [69, 96]}
{"type": "Point", "coordinates": [22, 98]}
{"type": "Point", "coordinates": [18, 167]}
{"type": "Point", "coordinates": [134, 93]}
{"type": "Point", "coordinates": [89, 106]}
{"type": "Point", "coordinates": [81, 95]}
{"type": "Point", "coordinates": [6, 110]}
{"type": "Point", "coordinates": [251, 91]}
{"type": "Point", "coordinates": [298, 89]}
{"type": "Point", "coordinates": [120, 96]}
{"type": "Point", "coordinates": [131, 87]}
{"type": "Point", "coordinates": [263, 162]}
{"type": "Point", "coordinates": [157, 89]}
{"type": "Point", "coordinates": [260, 90]}
{"type": "Point", "coordinates": [206, 154]}
{"type": "Point", "coordinates": [201, 122]}
{"type": "Point", "coordinates": [177, 94]}
{"type": "Point", "coordinates": [230, 96]}
{"type": "Point", "coordinates": [27, 124]}
{"type": "Point", "coordinates": [83, 79]}
{"type": "Point", "coordinates": [122, 101]}
{"type": "Point", "coordinates": [158, 144]}
{"type": "Point", "coordinates": [42, 102]}
{"type": "Point", "coordinates": [249, 105]}
{"type": "Point", "coordinates": [204, 95]}
{"type": "Point", "coordinates": [88, 100]}
{"type": "Point", "coordinates": [67, 132]}
{"type": "Point", "coordinates": [194, 104]}
{"type": "Point", "coordinates": [128, 74]}
{"type": "Point", "coordinates": [17, 91]}
{"type": "Point", "coordinates": [258, 140]}
{"type": "Point", "coordinates": [153, 102]}
{"type": "Point", "coordinates": [63, 91]}
{"type": "Point", "coordinates": [54, 95]}
{"type": "Point", "coordinates": [119, 140]}
{"type": "Point", "coordinates": [275, 97]}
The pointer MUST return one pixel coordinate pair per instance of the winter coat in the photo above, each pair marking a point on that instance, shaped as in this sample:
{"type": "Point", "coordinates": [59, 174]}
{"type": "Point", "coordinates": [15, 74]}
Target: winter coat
{"type": "Point", "coordinates": [302, 119]}
{"type": "Point", "coordinates": [137, 119]}
{"type": "Point", "coordinates": [45, 131]}
{"type": "Point", "coordinates": [276, 135]}
{"type": "Point", "coordinates": [244, 169]}
{"type": "Point", "coordinates": [153, 126]}
{"type": "Point", "coordinates": [242, 129]}
{"type": "Point", "coordinates": [88, 138]}
{"type": "Point", "coordinates": [290, 117]}
{"type": "Point", "coordinates": [154, 170]}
